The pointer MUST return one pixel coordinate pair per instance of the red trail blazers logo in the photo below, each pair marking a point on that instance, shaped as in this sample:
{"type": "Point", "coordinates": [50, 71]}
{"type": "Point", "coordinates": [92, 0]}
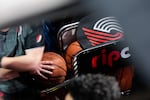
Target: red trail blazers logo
{"type": "Point", "coordinates": [105, 30]}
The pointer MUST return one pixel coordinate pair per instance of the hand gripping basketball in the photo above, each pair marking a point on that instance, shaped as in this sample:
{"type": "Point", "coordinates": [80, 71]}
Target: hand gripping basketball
{"type": "Point", "coordinates": [59, 72]}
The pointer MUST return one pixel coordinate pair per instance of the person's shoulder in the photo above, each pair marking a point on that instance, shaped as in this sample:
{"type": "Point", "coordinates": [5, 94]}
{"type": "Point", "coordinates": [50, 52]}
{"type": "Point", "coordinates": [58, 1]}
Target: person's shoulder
{"type": "Point", "coordinates": [31, 27]}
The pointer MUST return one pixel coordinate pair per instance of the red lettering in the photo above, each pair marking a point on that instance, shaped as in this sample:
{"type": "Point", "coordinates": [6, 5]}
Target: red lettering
{"type": "Point", "coordinates": [104, 57]}
{"type": "Point", "coordinates": [108, 58]}
{"type": "Point", "coordinates": [94, 61]}
{"type": "Point", "coordinates": [113, 56]}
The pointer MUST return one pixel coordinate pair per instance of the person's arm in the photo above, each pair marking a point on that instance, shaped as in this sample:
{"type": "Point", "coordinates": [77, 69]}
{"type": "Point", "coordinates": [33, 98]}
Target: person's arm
{"type": "Point", "coordinates": [24, 62]}
{"type": "Point", "coordinates": [30, 62]}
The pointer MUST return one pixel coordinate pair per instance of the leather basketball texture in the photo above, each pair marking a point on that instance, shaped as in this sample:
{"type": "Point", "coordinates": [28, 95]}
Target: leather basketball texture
{"type": "Point", "coordinates": [71, 51]}
{"type": "Point", "coordinates": [124, 75]}
{"type": "Point", "coordinates": [59, 72]}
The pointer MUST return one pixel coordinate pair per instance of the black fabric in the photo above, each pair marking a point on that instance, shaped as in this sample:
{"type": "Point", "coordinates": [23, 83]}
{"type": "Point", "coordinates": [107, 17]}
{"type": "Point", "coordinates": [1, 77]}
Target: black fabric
{"type": "Point", "coordinates": [102, 59]}
{"type": "Point", "coordinates": [97, 29]}
{"type": "Point", "coordinates": [26, 94]}
{"type": "Point", "coordinates": [2, 40]}
{"type": "Point", "coordinates": [134, 16]}
{"type": "Point", "coordinates": [35, 37]}
{"type": "Point", "coordinates": [10, 43]}
{"type": "Point", "coordinates": [11, 86]}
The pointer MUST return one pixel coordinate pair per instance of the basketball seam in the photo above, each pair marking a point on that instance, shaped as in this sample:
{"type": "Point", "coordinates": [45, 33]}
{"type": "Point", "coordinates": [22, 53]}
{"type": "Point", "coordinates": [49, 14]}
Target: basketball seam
{"type": "Point", "coordinates": [60, 67]}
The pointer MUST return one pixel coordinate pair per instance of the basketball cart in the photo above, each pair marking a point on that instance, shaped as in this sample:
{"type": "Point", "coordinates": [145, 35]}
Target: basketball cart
{"type": "Point", "coordinates": [105, 58]}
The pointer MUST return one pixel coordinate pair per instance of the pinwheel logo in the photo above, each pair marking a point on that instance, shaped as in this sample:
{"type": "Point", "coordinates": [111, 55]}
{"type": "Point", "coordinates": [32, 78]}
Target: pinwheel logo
{"type": "Point", "coordinates": [105, 30]}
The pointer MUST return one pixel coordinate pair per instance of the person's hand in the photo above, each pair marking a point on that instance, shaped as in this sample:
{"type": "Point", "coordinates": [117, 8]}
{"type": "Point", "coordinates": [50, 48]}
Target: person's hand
{"type": "Point", "coordinates": [45, 68]}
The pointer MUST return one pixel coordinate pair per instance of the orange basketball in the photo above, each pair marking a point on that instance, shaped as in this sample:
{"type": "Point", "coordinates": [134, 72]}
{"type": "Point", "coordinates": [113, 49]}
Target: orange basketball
{"type": "Point", "coordinates": [71, 51]}
{"type": "Point", "coordinates": [59, 73]}
{"type": "Point", "coordinates": [124, 76]}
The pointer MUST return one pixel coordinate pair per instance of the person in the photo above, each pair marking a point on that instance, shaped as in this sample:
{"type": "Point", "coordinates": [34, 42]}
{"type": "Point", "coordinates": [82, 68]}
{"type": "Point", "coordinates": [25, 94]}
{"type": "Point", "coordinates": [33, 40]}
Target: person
{"type": "Point", "coordinates": [93, 87]}
{"type": "Point", "coordinates": [21, 51]}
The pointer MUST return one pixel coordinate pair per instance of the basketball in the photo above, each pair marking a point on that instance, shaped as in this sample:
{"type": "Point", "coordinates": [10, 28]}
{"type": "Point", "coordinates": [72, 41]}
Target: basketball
{"type": "Point", "coordinates": [60, 71]}
{"type": "Point", "coordinates": [124, 75]}
{"type": "Point", "coordinates": [71, 51]}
